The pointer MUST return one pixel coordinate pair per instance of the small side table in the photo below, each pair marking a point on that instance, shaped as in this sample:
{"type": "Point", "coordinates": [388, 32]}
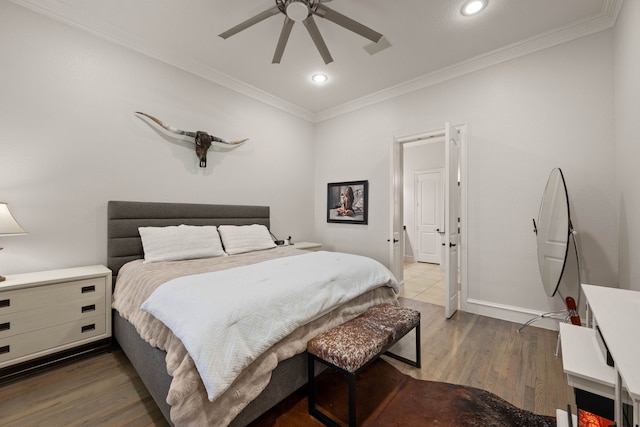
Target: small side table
{"type": "Point", "coordinates": [308, 246]}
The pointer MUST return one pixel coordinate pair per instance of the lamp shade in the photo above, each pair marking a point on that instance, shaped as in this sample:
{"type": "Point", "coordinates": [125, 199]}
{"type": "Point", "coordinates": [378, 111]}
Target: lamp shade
{"type": "Point", "coordinates": [8, 224]}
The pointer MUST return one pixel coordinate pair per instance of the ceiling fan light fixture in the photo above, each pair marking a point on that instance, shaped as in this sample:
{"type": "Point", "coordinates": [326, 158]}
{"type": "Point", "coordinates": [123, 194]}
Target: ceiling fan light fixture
{"type": "Point", "coordinates": [472, 7]}
{"type": "Point", "coordinates": [319, 78]}
{"type": "Point", "coordinates": [297, 10]}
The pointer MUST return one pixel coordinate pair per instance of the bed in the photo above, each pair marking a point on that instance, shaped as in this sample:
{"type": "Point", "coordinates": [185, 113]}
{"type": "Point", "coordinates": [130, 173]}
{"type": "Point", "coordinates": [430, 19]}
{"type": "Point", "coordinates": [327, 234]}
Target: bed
{"type": "Point", "coordinates": [163, 363]}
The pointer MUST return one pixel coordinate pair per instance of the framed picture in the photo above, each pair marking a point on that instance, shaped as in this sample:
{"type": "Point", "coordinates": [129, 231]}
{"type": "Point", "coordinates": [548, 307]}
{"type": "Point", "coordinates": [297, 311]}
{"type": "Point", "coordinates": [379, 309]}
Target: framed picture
{"type": "Point", "coordinates": [347, 202]}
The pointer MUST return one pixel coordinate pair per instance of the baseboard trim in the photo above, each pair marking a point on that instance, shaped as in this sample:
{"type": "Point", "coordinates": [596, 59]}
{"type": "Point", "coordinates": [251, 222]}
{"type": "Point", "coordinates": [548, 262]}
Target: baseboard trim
{"type": "Point", "coordinates": [509, 313]}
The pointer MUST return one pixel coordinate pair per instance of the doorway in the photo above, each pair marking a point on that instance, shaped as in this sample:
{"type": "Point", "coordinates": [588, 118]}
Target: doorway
{"type": "Point", "coordinates": [429, 216]}
{"type": "Point", "coordinates": [454, 236]}
{"type": "Point", "coordinates": [424, 282]}
{"type": "Point", "coordinates": [423, 201]}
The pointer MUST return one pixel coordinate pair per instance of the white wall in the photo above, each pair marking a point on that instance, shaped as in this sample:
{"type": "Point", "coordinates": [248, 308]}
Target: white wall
{"type": "Point", "coordinates": [627, 113]}
{"type": "Point", "coordinates": [525, 116]}
{"type": "Point", "coordinates": [69, 142]}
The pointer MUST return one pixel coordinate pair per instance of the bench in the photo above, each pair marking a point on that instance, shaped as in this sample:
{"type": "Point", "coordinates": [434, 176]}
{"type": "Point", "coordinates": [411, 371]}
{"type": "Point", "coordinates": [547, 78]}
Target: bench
{"type": "Point", "coordinates": [350, 347]}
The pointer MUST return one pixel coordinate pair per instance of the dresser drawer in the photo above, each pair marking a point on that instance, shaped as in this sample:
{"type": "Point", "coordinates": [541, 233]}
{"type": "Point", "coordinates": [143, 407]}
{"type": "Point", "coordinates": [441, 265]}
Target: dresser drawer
{"type": "Point", "coordinates": [52, 315]}
{"type": "Point", "coordinates": [47, 296]}
{"type": "Point", "coordinates": [49, 340]}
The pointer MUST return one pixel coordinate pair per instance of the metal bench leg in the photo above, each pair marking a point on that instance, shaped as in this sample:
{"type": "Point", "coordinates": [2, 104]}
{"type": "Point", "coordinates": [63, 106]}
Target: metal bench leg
{"type": "Point", "coordinates": [418, 351]}
{"type": "Point", "coordinates": [311, 397]}
{"type": "Point", "coordinates": [418, 362]}
{"type": "Point", "coordinates": [352, 400]}
{"type": "Point", "coordinates": [311, 380]}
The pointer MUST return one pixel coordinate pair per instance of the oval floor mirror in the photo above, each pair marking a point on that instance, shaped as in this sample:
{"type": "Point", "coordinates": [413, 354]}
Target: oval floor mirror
{"type": "Point", "coordinates": [554, 234]}
{"type": "Point", "coordinates": [553, 231]}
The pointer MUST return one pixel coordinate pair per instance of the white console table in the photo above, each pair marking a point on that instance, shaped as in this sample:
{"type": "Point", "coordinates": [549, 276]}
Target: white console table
{"type": "Point", "coordinates": [616, 312]}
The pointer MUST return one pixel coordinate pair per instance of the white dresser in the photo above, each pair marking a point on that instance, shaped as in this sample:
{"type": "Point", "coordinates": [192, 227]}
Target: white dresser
{"type": "Point", "coordinates": [616, 313]}
{"type": "Point", "coordinates": [48, 312]}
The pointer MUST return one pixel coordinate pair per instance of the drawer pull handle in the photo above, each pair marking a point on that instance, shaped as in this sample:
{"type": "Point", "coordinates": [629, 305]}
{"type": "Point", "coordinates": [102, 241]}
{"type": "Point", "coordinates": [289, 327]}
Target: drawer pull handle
{"type": "Point", "coordinates": [87, 289]}
{"type": "Point", "coordinates": [4, 349]}
{"type": "Point", "coordinates": [88, 328]}
{"type": "Point", "coordinates": [5, 326]}
{"type": "Point", "coordinates": [91, 307]}
{"type": "Point", "coordinates": [5, 303]}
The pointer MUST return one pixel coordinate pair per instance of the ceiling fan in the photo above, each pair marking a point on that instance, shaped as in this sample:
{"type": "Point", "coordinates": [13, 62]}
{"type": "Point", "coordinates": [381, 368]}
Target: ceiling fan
{"type": "Point", "coordinates": [304, 10]}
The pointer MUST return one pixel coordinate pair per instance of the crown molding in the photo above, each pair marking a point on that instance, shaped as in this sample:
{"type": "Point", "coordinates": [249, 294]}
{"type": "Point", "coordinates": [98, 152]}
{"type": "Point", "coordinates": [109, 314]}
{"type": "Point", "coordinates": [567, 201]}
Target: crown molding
{"type": "Point", "coordinates": [59, 12]}
{"type": "Point", "coordinates": [605, 20]}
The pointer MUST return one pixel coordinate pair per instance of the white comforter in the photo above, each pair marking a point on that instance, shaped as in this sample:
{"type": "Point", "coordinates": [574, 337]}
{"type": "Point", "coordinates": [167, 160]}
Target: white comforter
{"type": "Point", "coordinates": [236, 314]}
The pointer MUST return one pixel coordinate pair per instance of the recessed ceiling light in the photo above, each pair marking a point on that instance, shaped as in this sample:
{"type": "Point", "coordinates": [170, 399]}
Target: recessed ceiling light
{"type": "Point", "coordinates": [473, 6]}
{"type": "Point", "coordinates": [319, 78]}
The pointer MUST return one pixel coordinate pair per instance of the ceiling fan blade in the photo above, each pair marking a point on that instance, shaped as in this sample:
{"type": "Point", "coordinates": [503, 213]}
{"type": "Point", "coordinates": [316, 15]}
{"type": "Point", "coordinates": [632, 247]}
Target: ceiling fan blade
{"type": "Point", "coordinates": [249, 22]}
{"type": "Point", "coordinates": [348, 23]}
{"type": "Point", "coordinates": [314, 32]}
{"type": "Point", "coordinates": [284, 38]}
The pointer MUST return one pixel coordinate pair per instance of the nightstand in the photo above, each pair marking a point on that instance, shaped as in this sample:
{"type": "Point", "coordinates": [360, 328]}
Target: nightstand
{"type": "Point", "coordinates": [52, 315]}
{"type": "Point", "coordinates": [308, 246]}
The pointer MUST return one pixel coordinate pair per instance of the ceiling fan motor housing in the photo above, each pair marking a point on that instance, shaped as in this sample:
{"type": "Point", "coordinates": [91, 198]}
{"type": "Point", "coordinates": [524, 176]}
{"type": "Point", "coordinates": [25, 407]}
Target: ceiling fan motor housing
{"type": "Point", "coordinates": [297, 10]}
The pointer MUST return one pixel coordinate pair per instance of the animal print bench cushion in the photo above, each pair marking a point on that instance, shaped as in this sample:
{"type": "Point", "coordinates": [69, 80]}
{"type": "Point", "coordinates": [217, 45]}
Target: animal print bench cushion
{"type": "Point", "coordinates": [398, 320]}
{"type": "Point", "coordinates": [351, 345]}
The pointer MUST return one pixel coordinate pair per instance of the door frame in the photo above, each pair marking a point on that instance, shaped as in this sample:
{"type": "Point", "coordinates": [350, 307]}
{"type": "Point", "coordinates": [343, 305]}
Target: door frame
{"type": "Point", "coordinates": [397, 209]}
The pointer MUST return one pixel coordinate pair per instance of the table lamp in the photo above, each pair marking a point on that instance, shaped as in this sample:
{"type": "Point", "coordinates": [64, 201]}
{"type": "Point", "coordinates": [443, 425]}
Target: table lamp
{"type": "Point", "coordinates": [8, 225]}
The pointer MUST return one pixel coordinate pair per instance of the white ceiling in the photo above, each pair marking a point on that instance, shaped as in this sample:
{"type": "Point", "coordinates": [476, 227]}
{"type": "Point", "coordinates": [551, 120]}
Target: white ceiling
{"type": "Point", "coordinates": [430, 42]}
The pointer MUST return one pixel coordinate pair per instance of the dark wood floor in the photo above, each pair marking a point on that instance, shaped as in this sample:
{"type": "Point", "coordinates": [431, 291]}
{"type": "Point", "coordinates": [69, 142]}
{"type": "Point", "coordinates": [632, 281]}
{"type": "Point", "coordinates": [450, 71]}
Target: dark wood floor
{"type": "Point", "coordinates": [467, 349]}
{"type": "Point", "coordinates": [487, 353]}
{"type": "Point", "coordinates": [100, 390]}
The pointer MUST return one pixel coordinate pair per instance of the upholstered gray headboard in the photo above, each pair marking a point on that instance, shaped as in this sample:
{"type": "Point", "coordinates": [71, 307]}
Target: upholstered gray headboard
{"type": "Point", "coordinates": [124, 218]}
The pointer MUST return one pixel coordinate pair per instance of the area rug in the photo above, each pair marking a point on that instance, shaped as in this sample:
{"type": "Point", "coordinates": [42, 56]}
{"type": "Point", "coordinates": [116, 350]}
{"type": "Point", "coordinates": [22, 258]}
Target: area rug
{"type": "Point", "coordinates": [386, 397]}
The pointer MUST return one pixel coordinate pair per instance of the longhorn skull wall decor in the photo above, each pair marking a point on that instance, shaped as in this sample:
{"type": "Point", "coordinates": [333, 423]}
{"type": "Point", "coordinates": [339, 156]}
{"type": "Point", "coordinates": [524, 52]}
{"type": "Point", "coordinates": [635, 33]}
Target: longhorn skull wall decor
{"type": "Point", "coordinates": [202, 139]}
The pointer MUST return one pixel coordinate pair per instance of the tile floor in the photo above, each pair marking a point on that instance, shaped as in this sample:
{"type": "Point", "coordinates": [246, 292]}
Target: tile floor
{"type": "Point", "coordinates": [423, 282]}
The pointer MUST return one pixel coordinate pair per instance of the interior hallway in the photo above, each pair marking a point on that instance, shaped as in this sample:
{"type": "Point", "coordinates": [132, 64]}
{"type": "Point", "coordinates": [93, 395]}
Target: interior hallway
{"type": "Point", "coordinates": [424, 282]}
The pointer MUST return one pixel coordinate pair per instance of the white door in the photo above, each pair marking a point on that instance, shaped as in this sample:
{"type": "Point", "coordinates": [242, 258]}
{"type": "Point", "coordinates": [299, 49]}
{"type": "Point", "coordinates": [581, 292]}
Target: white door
{"type": "Point", "coordinates": [396, 239]}
{"type": "Point", "coordinates": [452, 145]}
{"type": "Point", "coordinates": [428, 187]}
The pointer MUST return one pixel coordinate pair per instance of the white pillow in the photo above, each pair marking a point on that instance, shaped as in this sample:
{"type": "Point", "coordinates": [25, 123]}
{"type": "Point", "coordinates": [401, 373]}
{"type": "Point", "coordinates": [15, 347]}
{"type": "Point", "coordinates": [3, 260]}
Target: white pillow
{"type": "Point", "coordinates": [238, 239]}
{"type": "Point", "coordinates": [180, 242]}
